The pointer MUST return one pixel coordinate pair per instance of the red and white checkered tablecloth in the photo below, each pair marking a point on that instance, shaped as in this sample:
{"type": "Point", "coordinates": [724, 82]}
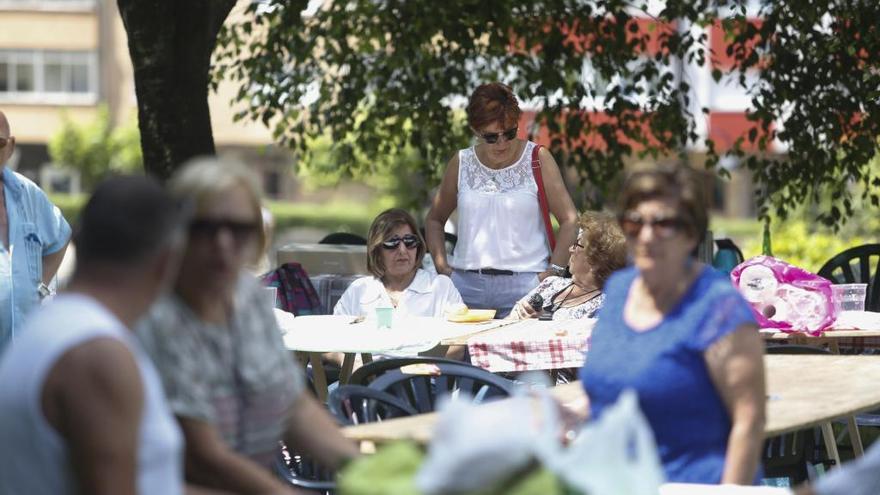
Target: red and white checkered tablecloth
{"type": "Point", "coordinates": [532, 345]}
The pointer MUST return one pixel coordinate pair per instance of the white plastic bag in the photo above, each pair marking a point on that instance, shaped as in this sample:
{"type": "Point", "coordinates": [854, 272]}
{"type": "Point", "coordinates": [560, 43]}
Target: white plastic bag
{"type": "Point", "coordinates": [616, 454]}
{"type": "Point", "coordinates": [475, 446]}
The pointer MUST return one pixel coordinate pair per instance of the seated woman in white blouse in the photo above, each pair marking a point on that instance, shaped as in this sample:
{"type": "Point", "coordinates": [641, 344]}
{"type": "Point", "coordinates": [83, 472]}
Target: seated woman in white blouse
{"type": "Point", "coordinates": [395, 250]}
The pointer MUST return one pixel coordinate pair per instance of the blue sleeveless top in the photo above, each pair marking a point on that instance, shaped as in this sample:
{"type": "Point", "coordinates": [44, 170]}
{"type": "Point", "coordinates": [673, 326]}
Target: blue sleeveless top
{"type": "Point", "coordinates": [666, 367]}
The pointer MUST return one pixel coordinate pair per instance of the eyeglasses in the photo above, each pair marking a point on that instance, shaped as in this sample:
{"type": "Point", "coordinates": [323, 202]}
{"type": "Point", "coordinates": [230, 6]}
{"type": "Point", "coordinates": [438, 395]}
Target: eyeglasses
{"type": "Point", "coordinates": [242, 232]}
{"type": "Point", "coordinates": [665, 227]}
{"type": "Point", "coordinates": [492, 137]}
{"type": "Point", "coordinates": [578, 245]}
{"type": "Point", "coordinates": [409, 241]}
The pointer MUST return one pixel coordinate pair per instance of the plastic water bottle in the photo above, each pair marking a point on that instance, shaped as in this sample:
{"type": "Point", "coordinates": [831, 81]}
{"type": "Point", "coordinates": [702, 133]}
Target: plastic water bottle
{"type": "Point", "coordinates": [766, 248]}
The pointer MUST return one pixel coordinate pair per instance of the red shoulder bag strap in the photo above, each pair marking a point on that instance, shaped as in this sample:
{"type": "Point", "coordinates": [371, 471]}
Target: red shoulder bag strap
{"type": "Point", "coordinates": [542, 196]}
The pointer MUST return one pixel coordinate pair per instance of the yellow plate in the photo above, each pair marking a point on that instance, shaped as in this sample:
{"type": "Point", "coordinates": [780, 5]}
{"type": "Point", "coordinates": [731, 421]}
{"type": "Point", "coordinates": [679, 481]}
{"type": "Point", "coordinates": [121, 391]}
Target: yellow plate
{"type": "Point", "coordinates": [473, 316]}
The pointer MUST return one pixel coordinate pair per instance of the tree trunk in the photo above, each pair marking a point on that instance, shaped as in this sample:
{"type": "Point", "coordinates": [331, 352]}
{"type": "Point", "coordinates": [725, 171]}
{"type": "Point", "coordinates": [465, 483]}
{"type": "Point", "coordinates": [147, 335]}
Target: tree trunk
{"type": "Point", "coordinates": [170, 43]}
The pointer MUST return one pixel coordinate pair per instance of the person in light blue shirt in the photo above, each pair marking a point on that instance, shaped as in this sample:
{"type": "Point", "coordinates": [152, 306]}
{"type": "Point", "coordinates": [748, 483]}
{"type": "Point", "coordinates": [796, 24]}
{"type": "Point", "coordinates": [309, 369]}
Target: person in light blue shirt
{"type": "Point", "coordinates": [33, 239]}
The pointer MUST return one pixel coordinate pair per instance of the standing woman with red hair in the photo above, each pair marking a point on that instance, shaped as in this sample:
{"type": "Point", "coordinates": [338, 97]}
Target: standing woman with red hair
{"type": "Point", "coordinates": [503, 249]}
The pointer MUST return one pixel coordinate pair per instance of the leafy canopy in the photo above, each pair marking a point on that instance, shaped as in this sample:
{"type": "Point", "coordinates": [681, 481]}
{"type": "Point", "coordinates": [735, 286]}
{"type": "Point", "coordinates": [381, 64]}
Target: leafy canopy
{"type": "Point", "coordinates": [608, 76]}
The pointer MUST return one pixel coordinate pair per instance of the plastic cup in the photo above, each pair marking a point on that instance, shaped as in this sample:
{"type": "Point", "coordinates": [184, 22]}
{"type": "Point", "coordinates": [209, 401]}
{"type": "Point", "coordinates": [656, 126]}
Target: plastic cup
{"type": "Point", "coordinates": [271, 295]}
{"type": "Point", "coordinates": [849, 297]}
{"type": "Point", "coordinates": [383, 317]}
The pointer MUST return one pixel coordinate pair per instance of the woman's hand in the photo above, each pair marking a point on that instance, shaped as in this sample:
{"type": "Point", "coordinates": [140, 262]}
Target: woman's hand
{"type": "Point", "coordinates": [522, 311]}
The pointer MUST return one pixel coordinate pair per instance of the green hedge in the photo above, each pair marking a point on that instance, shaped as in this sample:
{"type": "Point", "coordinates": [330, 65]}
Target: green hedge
{"type": "Point", "coordinates": [802, 244]}
{"type": "Point", "coordinates": [70, 205]}
{"type": "Point", "coordinates": [796, 241]}
{"type": "Point", "coordinates": [335, 217]}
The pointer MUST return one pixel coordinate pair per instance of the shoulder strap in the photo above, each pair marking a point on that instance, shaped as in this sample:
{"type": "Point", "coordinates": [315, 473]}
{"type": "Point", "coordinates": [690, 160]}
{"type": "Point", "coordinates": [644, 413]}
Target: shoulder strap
{"type": "Point", "coordinates": [542, 196]}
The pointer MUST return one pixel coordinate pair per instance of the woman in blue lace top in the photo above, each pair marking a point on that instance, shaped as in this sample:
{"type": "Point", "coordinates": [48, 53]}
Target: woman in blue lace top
{"type": "Point", "coordinates": [678, 333]}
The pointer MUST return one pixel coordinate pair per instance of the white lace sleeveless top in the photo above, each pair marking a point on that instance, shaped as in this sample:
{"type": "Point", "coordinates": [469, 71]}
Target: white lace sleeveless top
{"type": "Point", "coordinates": [499, 218]}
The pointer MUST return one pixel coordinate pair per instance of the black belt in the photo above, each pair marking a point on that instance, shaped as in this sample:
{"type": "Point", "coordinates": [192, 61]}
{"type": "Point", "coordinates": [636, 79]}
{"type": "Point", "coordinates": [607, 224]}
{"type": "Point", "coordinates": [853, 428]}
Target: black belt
{"type": "Point", "coordinates": [491, 271]}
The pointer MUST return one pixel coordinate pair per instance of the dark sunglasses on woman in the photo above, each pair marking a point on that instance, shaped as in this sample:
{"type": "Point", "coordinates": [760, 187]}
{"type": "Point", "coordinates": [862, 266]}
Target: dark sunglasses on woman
{"type": "Point", "coordinates": [631, 224]}
{"type": "Point", "coordinates": [492, 137]}
{"type": "Point", "coordinates": [409, 241]}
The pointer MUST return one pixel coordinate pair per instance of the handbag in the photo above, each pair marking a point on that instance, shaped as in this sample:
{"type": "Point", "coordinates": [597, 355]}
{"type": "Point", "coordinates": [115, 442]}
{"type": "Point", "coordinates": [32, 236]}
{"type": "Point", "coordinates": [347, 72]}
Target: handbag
{"type": "Point", "coordinates": [542, 196]}
{"type": "Point", "coordinates": [296, 294]}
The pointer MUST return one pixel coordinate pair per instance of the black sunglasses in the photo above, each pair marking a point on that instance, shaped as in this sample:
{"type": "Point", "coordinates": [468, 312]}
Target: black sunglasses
{"type": "Point", "coordinates": [492, 137]}
{"type": "Point", "coordinates": [409, 241]}
{"type": "Point", "coordinates": [632, 223]}
{"type": "Point", "coordinates": [241, 231]}
{"type": "Point", "coordinates": [3, 142]}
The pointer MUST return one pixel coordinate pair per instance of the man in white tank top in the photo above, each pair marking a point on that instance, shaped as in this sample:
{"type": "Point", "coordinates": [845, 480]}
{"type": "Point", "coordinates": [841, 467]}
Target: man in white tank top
{"type": "Point", "coordinates": [81, 407]}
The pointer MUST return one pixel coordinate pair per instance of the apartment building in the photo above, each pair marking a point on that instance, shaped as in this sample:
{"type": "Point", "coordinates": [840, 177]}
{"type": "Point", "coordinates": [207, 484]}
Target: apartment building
{"type": "Point", "coordinates": [69, 57]}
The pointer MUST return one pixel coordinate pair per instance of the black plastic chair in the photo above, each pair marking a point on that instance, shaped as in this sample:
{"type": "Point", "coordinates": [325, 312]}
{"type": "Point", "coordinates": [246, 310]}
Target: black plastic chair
{"type": "Point", "coordinates": [302, 472]}
{"type": "Point", "coordinates": [356, 404]}
{"type": "Point", "coordinates": [343, 238]}
{"type": "Point", "coordinates": [368, 372]}
{"type": "Point", "coordinates": [790, 455]}
{"type": "Point", "coordinates": [728, 244]}
{"type": "Point", "coordinates": [860, 264]}
{"type": "Point", "coordinates": [422, 391]}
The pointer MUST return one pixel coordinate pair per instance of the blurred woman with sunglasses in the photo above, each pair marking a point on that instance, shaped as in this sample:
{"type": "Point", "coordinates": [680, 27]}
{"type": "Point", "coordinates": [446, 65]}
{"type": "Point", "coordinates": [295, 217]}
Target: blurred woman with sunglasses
{"type": "Point", "coordinates": [679, 333]}
{"type": "Point", "coordinates": [599, 250]}
{"type": "Point", "coordinates": [394, 256]}
{"type": "Point", "coordinates": [233, 386]}
{"type": "Point", "coordinates": [502, 250]}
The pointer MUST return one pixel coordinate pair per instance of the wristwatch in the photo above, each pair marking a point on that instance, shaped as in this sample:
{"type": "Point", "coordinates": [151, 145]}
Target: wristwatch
{"type": "Point", "coordinates": [44, 290]}
{"type": "Point", "coordinates": [557, 270]}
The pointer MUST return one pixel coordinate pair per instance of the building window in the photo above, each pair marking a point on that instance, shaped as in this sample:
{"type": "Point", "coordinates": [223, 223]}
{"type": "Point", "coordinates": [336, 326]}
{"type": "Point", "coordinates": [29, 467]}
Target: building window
{"type": "Point", "coordinates": [48, 5]}
{"type": "Point", "coordinates": [52, 77]}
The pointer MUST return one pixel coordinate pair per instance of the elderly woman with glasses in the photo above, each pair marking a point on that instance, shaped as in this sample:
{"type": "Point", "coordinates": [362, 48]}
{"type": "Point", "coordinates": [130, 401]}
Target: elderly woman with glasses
{"type": "Point", "coordinates": [679, 333]}
{"type": "Point", "coordinates": [394, 256]}
{"type": "Point", "coordinates": [232, 385]}
{"type": "Point", "coordinates": [502, 250]}
{"type": "Point", "coordinates": [599, 250]}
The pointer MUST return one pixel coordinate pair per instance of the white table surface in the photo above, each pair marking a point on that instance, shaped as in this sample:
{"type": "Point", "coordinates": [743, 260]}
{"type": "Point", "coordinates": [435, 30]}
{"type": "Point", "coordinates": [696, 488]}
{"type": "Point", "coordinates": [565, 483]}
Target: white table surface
{"type": "Point", "coordinates": [329, 333]}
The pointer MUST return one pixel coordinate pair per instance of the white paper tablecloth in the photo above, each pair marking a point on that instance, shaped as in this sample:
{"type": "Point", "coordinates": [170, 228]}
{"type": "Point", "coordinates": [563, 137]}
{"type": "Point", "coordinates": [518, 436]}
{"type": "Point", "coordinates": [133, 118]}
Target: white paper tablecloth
{"type": "Point", "coordinates": [328, 333]}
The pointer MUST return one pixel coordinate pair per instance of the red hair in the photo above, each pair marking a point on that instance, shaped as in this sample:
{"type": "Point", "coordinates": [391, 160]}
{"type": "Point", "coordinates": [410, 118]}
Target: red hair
{"type": "Point", "coordinates": [491, 103]}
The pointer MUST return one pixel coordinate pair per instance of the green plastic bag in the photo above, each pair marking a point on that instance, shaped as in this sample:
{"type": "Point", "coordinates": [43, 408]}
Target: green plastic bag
{"type": "Point", "coordinates": [392, 471]}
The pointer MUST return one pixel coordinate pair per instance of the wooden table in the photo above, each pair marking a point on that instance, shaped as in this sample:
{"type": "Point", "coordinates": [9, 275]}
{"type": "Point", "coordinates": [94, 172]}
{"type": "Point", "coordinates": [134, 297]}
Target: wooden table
{"type": "Point", "coordinates": [830, 337]}
{"type": "Point", "coordinates": [803, 391]}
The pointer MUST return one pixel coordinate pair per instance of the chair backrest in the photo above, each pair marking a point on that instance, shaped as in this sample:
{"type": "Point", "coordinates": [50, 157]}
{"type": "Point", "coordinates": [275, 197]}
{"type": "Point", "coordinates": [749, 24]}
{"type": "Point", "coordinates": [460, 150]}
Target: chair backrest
{"type": "Point", "coordinates": [368, 372]}
{"type": "Point", "coordinates": [302, 472]}
{"type": "Point", "coordinates": [860, 264]}
{"type": "Point", "coordinates": [727, 255]}
{"type": "Point", "coordinates": [423, 390]}
{"type": "Point", "coordinates": [343, 238]}
{"type": "Point", "coordinates": [356, 404]}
